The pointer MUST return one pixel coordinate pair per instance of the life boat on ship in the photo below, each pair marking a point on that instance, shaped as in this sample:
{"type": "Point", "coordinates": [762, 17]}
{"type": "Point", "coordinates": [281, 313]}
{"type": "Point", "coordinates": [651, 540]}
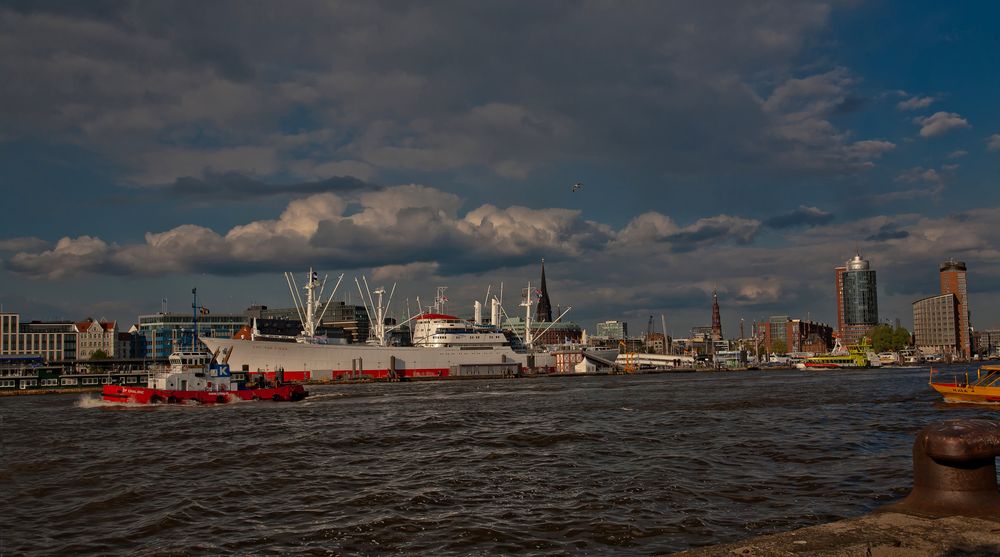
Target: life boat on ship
{"type": "Point", "coordinates": [197, 377]}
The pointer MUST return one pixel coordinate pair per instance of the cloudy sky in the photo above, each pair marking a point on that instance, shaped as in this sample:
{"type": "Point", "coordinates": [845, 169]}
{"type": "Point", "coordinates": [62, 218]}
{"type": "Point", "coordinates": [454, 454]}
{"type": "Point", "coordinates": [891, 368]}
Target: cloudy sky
{"type": "Point", "coordinates": [150, 147]}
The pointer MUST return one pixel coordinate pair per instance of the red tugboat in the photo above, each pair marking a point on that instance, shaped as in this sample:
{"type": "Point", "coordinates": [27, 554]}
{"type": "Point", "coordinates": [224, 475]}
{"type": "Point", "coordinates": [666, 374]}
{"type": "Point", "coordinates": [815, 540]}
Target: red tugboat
{"type": "Point", "coordinates": [195, 377]}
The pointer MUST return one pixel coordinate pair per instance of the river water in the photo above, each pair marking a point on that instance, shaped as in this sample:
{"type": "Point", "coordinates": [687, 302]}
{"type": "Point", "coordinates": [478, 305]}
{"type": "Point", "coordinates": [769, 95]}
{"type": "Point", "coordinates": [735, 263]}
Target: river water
{"type": "Point", "coordinates": [623, 465]}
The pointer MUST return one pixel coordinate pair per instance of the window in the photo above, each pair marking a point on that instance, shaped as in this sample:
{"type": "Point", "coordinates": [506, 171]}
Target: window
{"type": "Point", "coordinates": [7, 383]}
{"type": "Point", "coordinates": [49, 382]}
{"type": "Point", "coordinates": [89, 380]}
{"type": "Point", "coordinates": [25, 383]}
{"type": "Point", "coordinates": [131, 379]}
{"type": "Point", "coordinates": [69, 381]}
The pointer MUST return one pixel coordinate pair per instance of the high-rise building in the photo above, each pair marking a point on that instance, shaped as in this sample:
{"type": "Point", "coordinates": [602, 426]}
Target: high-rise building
{"type": "Point", "coordinates": [841, 324]}
{"type": "Point", "coordinates": [953, 281]}
{"type": "Point", "coordinates": [859, 300]}
{"type": "Point", "coordinates": [936, 324]}
{"type": "Point", "coordinates": [544, 310]}
{"type": "Point", "coordinates": [716, 317]}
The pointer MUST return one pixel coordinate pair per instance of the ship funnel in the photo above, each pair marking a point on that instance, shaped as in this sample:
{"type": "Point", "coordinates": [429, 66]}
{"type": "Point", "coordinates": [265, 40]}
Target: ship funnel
{"type": "Point", "coordinates": [478, 312]}
{"type": "Point", "coordinates": [495, 312]}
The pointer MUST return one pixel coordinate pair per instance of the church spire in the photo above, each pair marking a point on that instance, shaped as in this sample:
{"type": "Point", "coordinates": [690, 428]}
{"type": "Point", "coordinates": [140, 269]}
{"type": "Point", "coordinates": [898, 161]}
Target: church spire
{"type": "Point", "coordinates": [544, 311]}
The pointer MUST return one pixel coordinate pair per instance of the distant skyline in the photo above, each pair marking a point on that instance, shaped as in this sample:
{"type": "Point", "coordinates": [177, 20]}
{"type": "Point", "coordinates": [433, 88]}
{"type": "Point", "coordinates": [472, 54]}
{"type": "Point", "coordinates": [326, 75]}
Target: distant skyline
{"type": "Point", "coordinates": [149, 148]}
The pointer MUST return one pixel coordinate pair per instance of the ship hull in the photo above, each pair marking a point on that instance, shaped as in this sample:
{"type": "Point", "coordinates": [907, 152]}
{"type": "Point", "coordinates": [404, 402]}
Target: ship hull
{"type": "Point", "coordinates": [359, 361]}
{"type": "Point", "coordinates": [146, 395]}
{"type": "Point", "coordinates": [953, 392]}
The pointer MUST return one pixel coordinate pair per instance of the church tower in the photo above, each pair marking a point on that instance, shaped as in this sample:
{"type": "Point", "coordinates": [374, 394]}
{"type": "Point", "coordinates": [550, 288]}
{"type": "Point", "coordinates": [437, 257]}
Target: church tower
{"type": "Point", "coordinates": [544, 311]}
{"type": "Point", "coordinates": [716, 318]}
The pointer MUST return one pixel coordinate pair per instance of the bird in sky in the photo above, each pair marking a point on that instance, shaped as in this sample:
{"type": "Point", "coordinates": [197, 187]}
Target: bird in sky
{"type": "Point", "coordinates": [577, 187]}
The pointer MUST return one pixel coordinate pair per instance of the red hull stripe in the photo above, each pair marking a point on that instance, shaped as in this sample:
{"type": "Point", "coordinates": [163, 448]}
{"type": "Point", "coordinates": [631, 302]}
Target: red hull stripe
{"type": "Point", "coordinates": [145, 395]}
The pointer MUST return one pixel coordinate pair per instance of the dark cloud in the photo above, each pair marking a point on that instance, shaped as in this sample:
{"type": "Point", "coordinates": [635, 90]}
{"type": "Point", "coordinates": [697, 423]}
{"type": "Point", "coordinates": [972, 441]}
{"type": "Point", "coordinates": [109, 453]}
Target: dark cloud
{"type": "Point", "coordinates": [888, 231]}
{"type": "Point", "coordinates": [803, 216]}
{"type": "Point", "coordinates": [664, 85]}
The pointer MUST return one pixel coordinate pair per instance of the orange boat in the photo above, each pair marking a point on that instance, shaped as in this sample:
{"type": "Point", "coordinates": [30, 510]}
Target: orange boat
{"type": "Point", "coordinates": [984, 387]}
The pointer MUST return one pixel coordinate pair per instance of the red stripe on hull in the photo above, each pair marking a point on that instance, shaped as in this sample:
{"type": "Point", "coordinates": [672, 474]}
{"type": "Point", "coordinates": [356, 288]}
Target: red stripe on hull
{"type": "Point", "coordinates": [145, 395]}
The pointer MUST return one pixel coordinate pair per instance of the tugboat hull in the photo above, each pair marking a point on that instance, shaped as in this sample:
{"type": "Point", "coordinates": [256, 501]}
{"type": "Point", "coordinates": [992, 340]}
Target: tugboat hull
{"type": "Point", "coordinates": [146, 395]}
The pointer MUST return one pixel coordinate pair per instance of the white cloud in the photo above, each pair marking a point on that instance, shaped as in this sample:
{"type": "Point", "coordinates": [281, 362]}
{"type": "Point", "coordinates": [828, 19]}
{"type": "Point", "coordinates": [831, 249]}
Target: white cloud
{"type": "Point", "coordinates": [919, 173]}
{"type": "Point", "coordinates": [915, 103]}
{"type": "Point", "coordinates": [940, 123]}
{"type": "Point", "coordinates": [993, 142]}
{"type": "Point", "coordinates": [27, 243]}
{"type": "Point", "coordinates": [957, 154]}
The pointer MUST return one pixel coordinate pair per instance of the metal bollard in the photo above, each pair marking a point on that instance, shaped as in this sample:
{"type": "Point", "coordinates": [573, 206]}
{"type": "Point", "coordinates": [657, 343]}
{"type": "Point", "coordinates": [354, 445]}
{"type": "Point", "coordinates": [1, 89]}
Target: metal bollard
{"type": "Point", "coordinates": [954, 471]}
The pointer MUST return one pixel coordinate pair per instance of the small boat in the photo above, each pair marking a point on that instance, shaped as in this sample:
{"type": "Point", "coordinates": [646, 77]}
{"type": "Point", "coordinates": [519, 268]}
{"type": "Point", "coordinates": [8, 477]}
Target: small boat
{"type": "Point", "coordinates": [985, 387]}
{"type": "Point", "coordinates": [195, 377]}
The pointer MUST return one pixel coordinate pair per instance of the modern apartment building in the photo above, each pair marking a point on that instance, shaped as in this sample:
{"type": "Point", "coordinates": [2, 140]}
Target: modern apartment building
{"type": "Point", "coordinates": [936, 325]}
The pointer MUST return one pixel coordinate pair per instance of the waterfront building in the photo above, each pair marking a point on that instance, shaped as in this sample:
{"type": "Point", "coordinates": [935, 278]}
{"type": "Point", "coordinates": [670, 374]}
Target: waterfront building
{"type": "Point", "coordinates": [10, 341]}
{"type": "Point", "coordinates": [614, 330]}
{"type": "Point", "coordinates": [51, 341]}
{"type": "Point", "coordinates": [340, 320]}
{"type": "Point", "coordinates": [795, 335]}
{"type": "Point", "coordinates": [988, 342]}
{"type": "Point", "coordinates": [165, 332]}
{"type": "Point", "coordinates": [656, 343]}
{"type": "Point", "coordinates": [858, 312]}
{"type": "Point", "coordinates": [936, 325]}
{"type": "Point", "coordinates": [96, 336]}
{"type": "Point", "coordinates": [716, 317]}
{"type": "Point", "coordinates": [546, 332]}
{"type": "Point", "coordinates": [953, 281]}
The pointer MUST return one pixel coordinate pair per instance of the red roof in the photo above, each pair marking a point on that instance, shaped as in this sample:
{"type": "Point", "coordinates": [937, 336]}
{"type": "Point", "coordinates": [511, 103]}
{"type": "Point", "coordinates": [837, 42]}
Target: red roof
{"type": "Point", "coordinates": [436, 316]}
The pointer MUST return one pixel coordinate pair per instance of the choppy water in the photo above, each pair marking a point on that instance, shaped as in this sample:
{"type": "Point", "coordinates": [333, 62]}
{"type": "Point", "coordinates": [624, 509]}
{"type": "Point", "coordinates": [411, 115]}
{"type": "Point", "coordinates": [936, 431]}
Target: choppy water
{"type": "Point", "coordinates": [601, 465]}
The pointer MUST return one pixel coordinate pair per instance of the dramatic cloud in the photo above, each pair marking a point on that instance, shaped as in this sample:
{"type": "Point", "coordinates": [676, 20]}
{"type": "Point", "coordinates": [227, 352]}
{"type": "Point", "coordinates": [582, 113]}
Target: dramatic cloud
{"type": "Point", "coordinates": [658, 228]}
{"type": "Point", "coordinates": [393, 228]}
{"type": "Point", "coordinates": [993, 142]}
{"type": "Point", "coordinates": [915, 103]}
{"type": "Point", "coordinates": [167, 95]}
{"type": "Point", "coordinates": [800, 109]}
{"type": "Point", "coordinates": [940, 123]}
{"type": "Point", "coordinates": [803, 216]}
{"type": "Point", "coordinates": [888, 231]}
{"type": "Point", "coordinates": [23, 244]}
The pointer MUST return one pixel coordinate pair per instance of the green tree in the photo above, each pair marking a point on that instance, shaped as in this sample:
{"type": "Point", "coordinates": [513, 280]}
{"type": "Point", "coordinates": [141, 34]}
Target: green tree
{"type": "Point", "coordinates": [886, 338]}
{"type": "Point", "coordinates": [778, 346]}
{"type": "Point", "coordinates": [900, 338]}
{"type": "Point", "coordinates": [882, 338]}
{"type": "Point", "coordinates": [99, 355]}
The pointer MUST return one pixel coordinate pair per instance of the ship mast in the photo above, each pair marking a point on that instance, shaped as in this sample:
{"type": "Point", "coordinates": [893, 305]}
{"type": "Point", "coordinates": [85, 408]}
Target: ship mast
{"type": "Point", "coordinates": [376, 311]}
{"type": "Point", "coordinates": [526, 303]}
{"type": "Point", "coordinates": [309, 311]}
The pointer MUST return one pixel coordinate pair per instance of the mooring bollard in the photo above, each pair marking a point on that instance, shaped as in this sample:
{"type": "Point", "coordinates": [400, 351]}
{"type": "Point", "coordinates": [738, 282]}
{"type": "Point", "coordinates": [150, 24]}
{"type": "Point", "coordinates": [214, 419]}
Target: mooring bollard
{"type": "Point", "coordinates": [954, 471]}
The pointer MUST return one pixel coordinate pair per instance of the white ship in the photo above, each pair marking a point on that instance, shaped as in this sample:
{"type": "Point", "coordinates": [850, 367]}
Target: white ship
{"type": "Point", "coordinates": [444, 346]}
